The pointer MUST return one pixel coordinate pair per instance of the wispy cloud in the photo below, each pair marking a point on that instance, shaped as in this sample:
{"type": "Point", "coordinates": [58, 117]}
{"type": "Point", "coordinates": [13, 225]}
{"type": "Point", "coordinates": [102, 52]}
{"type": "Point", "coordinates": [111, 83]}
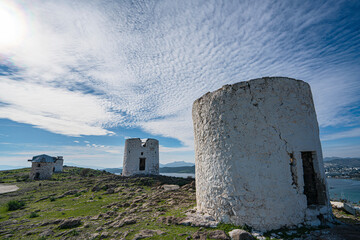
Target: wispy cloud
{"type": "Point", "coordinates": [349, 150]}
{"type": "Point", "coordinates": [93, 155]}
{"type": "Point", "coordinates": [355, 132]}
{"type": "Point", "coordinates": [54, 109]}
{"type": "Point", "coordinates": [89, 65]}
{"type": "Point", "coordinates": [175, 149]}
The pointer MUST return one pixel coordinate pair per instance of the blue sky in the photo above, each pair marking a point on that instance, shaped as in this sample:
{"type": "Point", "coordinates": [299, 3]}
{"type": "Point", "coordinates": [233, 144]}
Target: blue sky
{"type": "Point", "coordinates": [78, 77]}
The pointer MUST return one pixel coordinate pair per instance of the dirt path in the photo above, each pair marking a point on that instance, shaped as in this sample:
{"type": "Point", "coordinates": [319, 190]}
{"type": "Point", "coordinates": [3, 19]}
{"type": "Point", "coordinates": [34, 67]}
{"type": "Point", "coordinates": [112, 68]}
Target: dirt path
{"type": "Point", "coordinates": [8, 188]}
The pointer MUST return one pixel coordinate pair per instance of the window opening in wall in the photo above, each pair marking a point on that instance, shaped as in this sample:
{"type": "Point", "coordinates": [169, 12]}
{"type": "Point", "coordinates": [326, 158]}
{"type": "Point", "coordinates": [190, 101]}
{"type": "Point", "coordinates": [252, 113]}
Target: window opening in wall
{"type": "Point", "coordinates": [314, 189]}
{"type": "Point", "coordinates": [37, 175]}
{"type": "Point", "coordinates": [142, 153]}
{"type": "Point", "coordinates": [38, 165]}
{"type": "Point", "coordinates": [142, 164]}
{"type": "Point", "coordinates": [53, 169]}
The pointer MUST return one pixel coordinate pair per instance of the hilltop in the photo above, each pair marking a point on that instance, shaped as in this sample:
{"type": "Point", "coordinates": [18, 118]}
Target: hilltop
{"type": "Point", "coordinates": [91, 204]}
{"type": "Point", "coordinates": [343, 168]}
{"type": "Point", "coordinates": [343, 162]}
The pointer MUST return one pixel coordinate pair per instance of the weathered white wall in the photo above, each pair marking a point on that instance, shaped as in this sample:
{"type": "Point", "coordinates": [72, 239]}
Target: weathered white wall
{"type": "Point", "coordinates": [132, 154]}
{"type": "Point", "coordinates": [244, 135]}
{"type": "Point", "coordinates": [45, 170]}
{"type": "Point", "coordinates": [59, 165]}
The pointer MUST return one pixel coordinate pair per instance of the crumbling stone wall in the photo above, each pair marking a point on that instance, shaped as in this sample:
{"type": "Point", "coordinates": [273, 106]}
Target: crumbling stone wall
{"type": "Point", "coordinates": [59, 165]}
{"type": "Point", "coordinates": [134, 151]}
{"type": "Point", "coordinates": [250, 141]}
{"type": "Point", "coordinates": [41, 170]}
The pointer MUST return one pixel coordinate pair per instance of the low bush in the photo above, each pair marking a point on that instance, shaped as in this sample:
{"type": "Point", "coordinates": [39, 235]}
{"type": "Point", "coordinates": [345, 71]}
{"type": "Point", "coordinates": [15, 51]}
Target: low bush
{"type": "Point", "coordinates": [14, 205]}
{"type": "Point", "coordinates": [33, 215]}
{"type": "Point", "coordinates": [73, 233]}
{"type": "Point", "coordinates": [84, 172]}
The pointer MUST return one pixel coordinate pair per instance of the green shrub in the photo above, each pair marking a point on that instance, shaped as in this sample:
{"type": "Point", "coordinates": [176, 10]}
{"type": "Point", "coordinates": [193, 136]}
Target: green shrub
{"type": "Point", "coordinates": [161, 209]}
{"type": "Point", "coordinates": [33, 215]}
{"type": "Point", "coordinates": [14, 205]}
{"type": "Point", "coordinates": [84, 172]}
{"type": "Point", "coordinates": [22, 178]}
{"type": "Point", "coordinates": [74, 233]}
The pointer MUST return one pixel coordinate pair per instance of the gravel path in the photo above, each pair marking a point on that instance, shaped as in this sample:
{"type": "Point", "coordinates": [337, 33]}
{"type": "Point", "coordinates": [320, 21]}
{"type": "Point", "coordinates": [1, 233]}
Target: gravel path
{"type": "Point", "coordinates": [8, 188]}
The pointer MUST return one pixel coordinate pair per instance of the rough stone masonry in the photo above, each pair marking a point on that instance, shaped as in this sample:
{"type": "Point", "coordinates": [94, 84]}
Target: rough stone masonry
{"type": "Point", "coordinates": [141, 157]}
{"type": "Point", "coordinates": [258, 155]}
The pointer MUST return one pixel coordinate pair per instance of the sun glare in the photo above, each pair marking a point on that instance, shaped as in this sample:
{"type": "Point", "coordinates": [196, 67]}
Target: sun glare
{"type": "Point", "coordinates": [12, 26]}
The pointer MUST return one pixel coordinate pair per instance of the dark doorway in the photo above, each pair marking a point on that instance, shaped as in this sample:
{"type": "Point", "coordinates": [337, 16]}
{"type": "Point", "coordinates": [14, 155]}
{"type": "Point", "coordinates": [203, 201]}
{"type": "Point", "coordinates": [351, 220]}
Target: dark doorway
{"type": "Point", "coordinates": [37, 175]}
{"type": "Point", "coordinates": [314, 189]}
{"type": "Point", "coordinates": [142, 164]}
{"type": "Point", "coordinates": [53, 169]}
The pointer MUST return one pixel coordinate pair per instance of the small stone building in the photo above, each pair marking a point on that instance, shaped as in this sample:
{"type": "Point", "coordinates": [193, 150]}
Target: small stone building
{"type": "Point", "coordinates": [258, 155]}
{"type": "Point", "coordinates": [43, 166]}
{"type": "Point", "coordinates": [141, 157]}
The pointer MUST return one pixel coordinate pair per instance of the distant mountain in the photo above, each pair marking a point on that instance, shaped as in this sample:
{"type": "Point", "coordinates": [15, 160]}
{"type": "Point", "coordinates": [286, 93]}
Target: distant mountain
{"type": "Point", "coordinates": [177, 164]}
{"type": "Point", "coordinates": [343, 162]}
{"type": "Point", "coordinates": [7, 167]}
{"type": "Point", "coordinates": [330, 158]}
{"type": "Point", "coordinates": [113, 170]}
{"type": "Point", "coordinates": [184, 169]}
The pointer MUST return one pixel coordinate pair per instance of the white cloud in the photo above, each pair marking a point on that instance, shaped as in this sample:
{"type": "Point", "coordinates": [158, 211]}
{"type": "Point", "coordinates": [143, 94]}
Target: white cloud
{"type": "Point", "coordinates": [143, 64]}
{"type": "Point", "coordinates": [107, 156]}
{"type": "Point", "coordinates": [178, 127]}
{"type": "Point", "coordinates": [351, 150]}
{"type": "Point", "coordinates": [175, 149]}
{"type": "Point", "coordinates": [355, 132]}
{"type": "Point", "coordinates": [56, 110]}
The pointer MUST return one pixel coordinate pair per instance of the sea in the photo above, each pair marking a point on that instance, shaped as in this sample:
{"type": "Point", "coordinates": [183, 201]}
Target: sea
{"type": "Point", "coordinates": [348, 189]}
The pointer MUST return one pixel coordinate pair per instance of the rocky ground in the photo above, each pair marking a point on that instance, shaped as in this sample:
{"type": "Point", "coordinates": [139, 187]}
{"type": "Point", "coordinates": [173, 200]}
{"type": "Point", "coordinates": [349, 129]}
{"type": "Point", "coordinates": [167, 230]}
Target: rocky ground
{"type": "Point", "coordinates": [90, 204]}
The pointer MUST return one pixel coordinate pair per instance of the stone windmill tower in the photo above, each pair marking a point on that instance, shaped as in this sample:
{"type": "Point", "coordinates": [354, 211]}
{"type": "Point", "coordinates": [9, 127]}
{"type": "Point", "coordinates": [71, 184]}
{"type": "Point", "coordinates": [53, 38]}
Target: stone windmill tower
{"type": "Point", "coordinates": [141, 157]}
{"type": "Point", "coordinates": [258, 155]}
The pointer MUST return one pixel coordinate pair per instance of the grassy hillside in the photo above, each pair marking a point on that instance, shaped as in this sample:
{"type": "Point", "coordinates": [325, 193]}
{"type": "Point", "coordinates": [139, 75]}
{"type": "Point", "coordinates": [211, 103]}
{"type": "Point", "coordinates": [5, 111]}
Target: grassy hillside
{"type": "Point", "coordinates": [107, 206]}
{"type": "Point", "coordinates": [91, 204]}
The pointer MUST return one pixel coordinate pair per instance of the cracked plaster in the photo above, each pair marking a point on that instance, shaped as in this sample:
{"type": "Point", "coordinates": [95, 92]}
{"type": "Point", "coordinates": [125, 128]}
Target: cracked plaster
{"type": "Point", "coordinates": [248, 142]}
